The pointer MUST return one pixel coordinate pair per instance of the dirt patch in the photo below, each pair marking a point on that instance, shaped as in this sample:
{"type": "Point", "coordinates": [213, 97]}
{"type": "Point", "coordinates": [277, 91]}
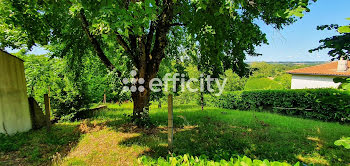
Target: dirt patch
{"type": "Point", "coordinates": [104, 147]}
{"type": "Point", "coordinates": [88, 127]}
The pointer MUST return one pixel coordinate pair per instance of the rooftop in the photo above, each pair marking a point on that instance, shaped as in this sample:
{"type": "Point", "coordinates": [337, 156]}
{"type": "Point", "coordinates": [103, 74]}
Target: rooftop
{"type": "Point", "coordinates": [327, 69]}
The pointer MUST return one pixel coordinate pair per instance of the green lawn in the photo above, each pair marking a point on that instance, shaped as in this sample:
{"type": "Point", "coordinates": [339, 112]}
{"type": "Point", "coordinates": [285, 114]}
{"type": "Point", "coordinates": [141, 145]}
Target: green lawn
{"type": "Point", "coordinates": [108, 138]}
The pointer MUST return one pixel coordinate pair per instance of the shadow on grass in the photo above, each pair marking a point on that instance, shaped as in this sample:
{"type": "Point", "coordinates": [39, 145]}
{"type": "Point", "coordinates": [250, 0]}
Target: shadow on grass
{"type": "Point", "coordinates": [217, 133]}
{"type": "Point", "coordinates": [38, 147]}
{"type": "Point", "coordinates": [206, 133]}
{"type": "Point", "coordinates": [198, 134]}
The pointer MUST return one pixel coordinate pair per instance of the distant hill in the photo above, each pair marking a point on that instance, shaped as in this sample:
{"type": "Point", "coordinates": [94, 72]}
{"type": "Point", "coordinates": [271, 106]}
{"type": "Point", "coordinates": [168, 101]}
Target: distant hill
{"type": "Point", "coordinates": [296, 62]}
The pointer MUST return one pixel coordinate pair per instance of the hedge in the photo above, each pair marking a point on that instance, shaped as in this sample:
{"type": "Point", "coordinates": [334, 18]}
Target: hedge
{"type": "Point", "coordinates": [321, 104]}
{"type": "Point", "coordinates": [187, 160]}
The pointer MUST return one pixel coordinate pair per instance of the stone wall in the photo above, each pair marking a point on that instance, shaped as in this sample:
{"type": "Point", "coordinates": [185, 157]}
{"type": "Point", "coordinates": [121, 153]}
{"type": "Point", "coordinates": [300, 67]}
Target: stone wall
{"type": "Point", "coordinates": [14, 107]}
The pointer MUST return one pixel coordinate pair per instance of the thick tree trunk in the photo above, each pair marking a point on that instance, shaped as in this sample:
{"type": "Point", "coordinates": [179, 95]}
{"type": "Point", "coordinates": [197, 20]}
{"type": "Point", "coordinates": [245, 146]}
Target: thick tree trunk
{"type": "Point", "coordinates": [141, 102]}
{"type": "Point", "coordinates": [146, 52]}
{"type": "Point", "coordinates": [141, 99]}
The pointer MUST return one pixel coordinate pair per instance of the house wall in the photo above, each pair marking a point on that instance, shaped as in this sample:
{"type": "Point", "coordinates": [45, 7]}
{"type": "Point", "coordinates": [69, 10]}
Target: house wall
{"type": "Point", "coordinates": [14, 108]}
{"type": "Point", "coordinates": [312, 82]}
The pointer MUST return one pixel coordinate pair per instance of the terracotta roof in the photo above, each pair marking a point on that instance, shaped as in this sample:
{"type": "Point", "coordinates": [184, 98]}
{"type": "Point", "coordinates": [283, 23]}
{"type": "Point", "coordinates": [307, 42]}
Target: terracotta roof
{"type": "Point", "coordinates": [327, 69]}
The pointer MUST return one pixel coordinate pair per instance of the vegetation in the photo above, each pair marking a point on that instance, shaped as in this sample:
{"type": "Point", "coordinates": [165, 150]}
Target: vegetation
{"type": "Point", "coordinates": [262, 83]}
{"type": "Point", "coordinates": [73, 92]}
{"type": "Point", "coordinates": [321, 104]}
{"type": "Point", "coordinates": [49, 75]}
{"type": "Point", "coordinates": [345, 141]}
{"type": "Point", "coordinates": [219, 134]}
{"type": "Point", "coordinates": [38, 147]}
{"type": "Point", "coordinates": [94, 45]}
{"type": "Point", "coordinates": [202, 160]}
{"type": "Point", "coordinates": [345, 28]}
{"type": "Point", "coordinates": [69, 91]}
{"type": "Point", "coordinates": [267, 70]}
{"type": "Point", "coordinates": [266, 76]}
{"type": "Point", "coordinates": [127, 35]}
{"type": "Point", "coordinates": [339, 45]}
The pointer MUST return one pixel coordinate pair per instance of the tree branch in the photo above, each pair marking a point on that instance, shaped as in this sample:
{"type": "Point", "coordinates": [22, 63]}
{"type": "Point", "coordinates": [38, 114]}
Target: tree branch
{"type": "Point", "coordinates": [161, 31]}
{"type": "Point", "coordinates": [150, 38]}
{"type": "Point", "coordinates": [127, 49]}
{"type": "Point", "coordinates": [122, 42]}
{"type": "Point", "coordinates": [96, 45]}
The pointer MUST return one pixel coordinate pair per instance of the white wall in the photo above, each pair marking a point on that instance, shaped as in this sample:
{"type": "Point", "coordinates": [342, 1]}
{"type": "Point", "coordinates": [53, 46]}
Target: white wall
{"type": "Point", "coordinates": [14, 107]}
{"type": "Point", "coordinates": [313, 81]}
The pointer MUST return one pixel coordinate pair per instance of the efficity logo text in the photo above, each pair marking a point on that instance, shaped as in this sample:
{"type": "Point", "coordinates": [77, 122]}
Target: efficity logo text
{"type": "Point", "coordinates": [171, 80]}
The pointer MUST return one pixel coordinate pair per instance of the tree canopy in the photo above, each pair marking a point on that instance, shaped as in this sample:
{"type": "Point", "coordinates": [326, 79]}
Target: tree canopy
{"type": "Point", "coordinates": [139, 34]}
{"type": "Point", "coordinates": [339, 45]}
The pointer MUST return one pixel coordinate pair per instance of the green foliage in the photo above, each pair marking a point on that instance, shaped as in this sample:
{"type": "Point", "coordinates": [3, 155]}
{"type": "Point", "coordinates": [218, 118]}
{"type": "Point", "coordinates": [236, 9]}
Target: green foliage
{"type": "Point", "coordinates": [68, 92]}
{"type": "Point", "coordinates": [264, 70]}
{"type": "Point", "coordinates": [285, 80]}
{"type": "Point", "coordinates": [125, 35]}
{"type": "Point", "coordinates": [276, 73]}
{"type": "Point", "coordinates": [34, 146]}
{"type": "Point", "coordinates": [187, 160]}
{"type": "Point", "coordinates": [322, 104]}
{"type": "Point", "coordinates": [261, 83]}
{"type": "Point", "coordinates": [344, 29]}
{"type": "Point", "coordinates": [214, 132]}
{"type": "Point", "coordinates": [345, 82]}
{"type": "Point", "coordinates": [345, 141]}
{"type": "Point", "coordinates": [263, 76]}
{"type": "Point", "coordinates": [234, 82]}
{"type": "Point", "coordinates": [339, 45]}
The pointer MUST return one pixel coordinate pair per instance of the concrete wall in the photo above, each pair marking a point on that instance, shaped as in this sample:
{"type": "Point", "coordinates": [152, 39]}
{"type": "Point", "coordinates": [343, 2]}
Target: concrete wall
{"type": "Point", "coordinates": [312, 82]}
{"type": "Point", "coordinates": [14, 108]}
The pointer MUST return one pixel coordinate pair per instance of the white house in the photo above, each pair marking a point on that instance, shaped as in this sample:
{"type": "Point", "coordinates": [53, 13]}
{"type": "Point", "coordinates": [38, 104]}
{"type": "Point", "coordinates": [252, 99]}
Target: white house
{"type": "Point", "coordinates": [320, 76]}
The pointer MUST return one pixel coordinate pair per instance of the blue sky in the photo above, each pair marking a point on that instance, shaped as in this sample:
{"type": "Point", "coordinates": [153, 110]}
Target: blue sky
{"type": "Point", "coordinates": [293, 42]}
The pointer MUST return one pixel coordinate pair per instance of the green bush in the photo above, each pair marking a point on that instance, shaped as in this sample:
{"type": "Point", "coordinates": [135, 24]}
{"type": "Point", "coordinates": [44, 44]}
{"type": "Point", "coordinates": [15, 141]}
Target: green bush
{"type": "Point", "coordinates": [285, 80]}
{"type": "Point", "coordinates": [262, 83]}
{"type": "Point", "coordinates": [322, 104]}
{"type": "Point", "coordinates": [187, 160]}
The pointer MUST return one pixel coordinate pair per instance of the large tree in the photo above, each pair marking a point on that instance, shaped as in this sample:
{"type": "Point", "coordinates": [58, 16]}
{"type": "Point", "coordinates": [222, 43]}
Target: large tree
{"type": "Point", "coordinates": [145, 31]}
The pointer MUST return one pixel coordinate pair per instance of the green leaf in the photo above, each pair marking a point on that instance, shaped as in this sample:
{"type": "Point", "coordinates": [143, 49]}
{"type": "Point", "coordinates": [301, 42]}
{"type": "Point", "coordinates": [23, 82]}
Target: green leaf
{"type": "Point", "coordinates": [345, 141]}
{"type": "Point", "coordinates": [339, 80]}
{"type": "Point", "coordinates": [297, 164]}
{"type": "Point", "coordinates": [344, 29]}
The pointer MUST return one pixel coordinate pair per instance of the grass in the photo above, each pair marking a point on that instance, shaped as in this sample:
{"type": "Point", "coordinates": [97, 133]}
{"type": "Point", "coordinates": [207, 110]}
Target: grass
{"type": "Point", "coordinates": [108, 138]}
{"type": "Point", "coordinates": [38, 147]}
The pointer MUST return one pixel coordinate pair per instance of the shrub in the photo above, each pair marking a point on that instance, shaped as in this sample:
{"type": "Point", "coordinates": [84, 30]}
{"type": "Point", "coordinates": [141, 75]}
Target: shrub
{"type": "Point", "coordinates": [285, 80]}
{"type": "Point", "coordinates": [262, 83]}
{"type": "Point", "coordinates": [203, 160]}
{"type": "Point", "coordinates": [322, 104]}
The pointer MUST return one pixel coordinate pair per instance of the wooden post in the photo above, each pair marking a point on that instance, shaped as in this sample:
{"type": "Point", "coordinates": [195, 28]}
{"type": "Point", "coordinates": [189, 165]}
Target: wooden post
{"type": "Point", "coordinates": [104, 97]}
{"type": "Point", "coordinates": [47, 111]}
{"type": "Point", "coordinates": [170, 122]}
{"type": "Point", "coordinates": [202, 100]}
